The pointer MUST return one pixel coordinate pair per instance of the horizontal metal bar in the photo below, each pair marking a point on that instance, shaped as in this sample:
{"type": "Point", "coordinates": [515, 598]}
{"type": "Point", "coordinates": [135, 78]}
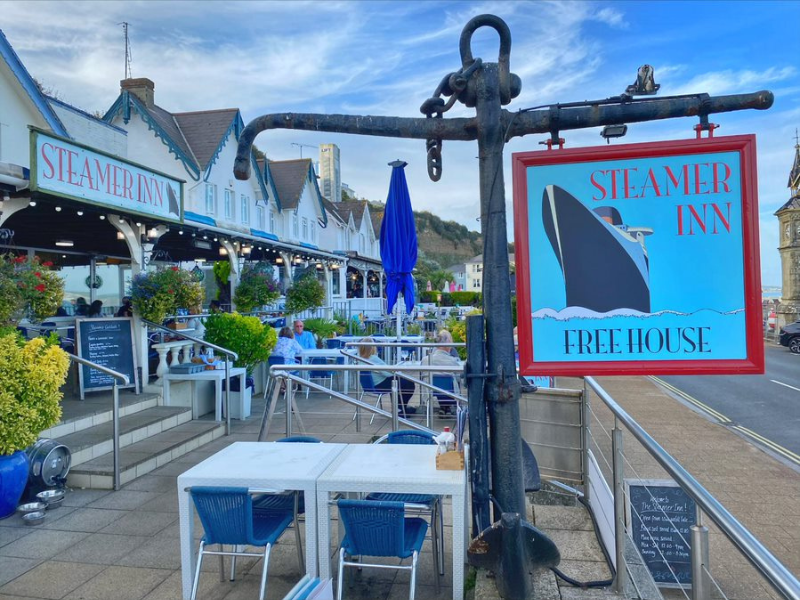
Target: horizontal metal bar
{"type": "Point", "coordinates": [415, 344]}
{"type": "Point", "coordinates": [249, 490]}
{"type": "Point", "coordinates": [763, 560]}
{"type": "Point", "coordinates": [225, 351]}
{"type": "Point", "coordinates": [348, 399]}
{"type": "Point", "coordinates": [366, 367]}
{"type": "Point", "coordinates": [123, 378]}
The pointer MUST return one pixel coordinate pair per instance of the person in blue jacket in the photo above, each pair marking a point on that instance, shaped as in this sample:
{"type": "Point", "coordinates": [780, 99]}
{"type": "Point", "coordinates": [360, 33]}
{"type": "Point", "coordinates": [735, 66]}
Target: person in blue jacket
{"type": "Point", "coordinates": [303, 337]}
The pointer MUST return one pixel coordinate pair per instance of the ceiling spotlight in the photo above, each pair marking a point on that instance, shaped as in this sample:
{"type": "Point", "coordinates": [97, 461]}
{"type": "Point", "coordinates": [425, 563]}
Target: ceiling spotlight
{"type": "Point", "coordinates": [205, 237]}
{"type": "Point", "coordinates": [58, 209]}
{"type": "Point", "coordinates": [152, 233]}
{"type": "Point", "coordinates": [32, 203]}
{"type": "Point", "coordinates": [138, 223]}
{"type": "Point", "coordinates": [80, 213]}
{"type": "Point", "coordinates": [102, 217]}
{"type": "Point", "coordinates": [120, 235]}
{"type": "Point", "coordinates": [216, 240]}
{"type": "Point", "coordinates": [279, 260]}
{"type": "Point", "coordinates": [223, 251]}
{"type": "Point", "coordinates": [180, 232]}
{"type": "Point", "coordinates": [194, 234]}
{"type": "Point", "coordinates": [63, 256]}
{"type": "Point", "coordinates": [65, 243]}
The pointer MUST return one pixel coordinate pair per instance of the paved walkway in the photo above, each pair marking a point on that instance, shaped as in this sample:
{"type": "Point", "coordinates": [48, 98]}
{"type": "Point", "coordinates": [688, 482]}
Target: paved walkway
{"type": "Point", "coordinates": [124, 545]}
{"type": "Point", "coordinates": [762, 492]}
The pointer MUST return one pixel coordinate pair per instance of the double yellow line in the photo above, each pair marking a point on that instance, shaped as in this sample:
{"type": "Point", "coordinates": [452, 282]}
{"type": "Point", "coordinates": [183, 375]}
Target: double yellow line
{"type": "Point", "coordinates": [776, 448]}
{"type": "Point", "coordinates": [694, 401]}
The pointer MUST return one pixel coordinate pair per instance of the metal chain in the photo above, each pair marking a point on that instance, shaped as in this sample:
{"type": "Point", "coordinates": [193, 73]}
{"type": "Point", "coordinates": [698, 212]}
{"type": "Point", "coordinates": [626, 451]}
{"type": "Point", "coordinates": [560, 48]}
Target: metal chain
{"type": "Point", "coordinates": [452, 85]}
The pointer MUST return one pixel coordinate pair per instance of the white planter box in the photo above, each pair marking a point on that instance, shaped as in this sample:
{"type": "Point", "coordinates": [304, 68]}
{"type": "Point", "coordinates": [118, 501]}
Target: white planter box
{"type": "Point", "coordinates": [240, 403]}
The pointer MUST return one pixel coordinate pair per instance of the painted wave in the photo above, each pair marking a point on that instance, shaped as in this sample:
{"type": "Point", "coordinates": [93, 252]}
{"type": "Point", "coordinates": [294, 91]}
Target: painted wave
{"type": "Point", "coordinates": [578, 312]}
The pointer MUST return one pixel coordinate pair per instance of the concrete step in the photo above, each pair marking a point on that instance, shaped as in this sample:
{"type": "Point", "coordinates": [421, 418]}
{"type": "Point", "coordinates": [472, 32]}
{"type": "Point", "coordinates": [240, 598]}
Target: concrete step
{"type": "Point", "coordinates": [96, 441]}
{"type": "Point", "coordinates": [78, 415]}
{"type": "Point", "coordinates": [144, 456]}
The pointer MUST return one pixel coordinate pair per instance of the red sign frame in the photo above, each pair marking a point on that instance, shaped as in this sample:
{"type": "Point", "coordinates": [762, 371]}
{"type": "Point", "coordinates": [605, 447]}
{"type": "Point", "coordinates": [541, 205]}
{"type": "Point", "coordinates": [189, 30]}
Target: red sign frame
{"type": "Point", "coordinates": [753, 363]}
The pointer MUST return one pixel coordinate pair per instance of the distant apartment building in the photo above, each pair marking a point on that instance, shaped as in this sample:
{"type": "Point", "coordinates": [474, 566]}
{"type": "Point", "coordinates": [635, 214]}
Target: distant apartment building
{"type": "Point", "coordinates": [346, 189]}
{"type": "Point", "coordinates": [330, 172]}
{"type": "Point", "coordinates": [471, 273]}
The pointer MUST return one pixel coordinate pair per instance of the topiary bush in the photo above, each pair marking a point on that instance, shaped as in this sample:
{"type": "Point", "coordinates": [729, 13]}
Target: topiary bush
{"type": "Point", "coordinates": [247, 336]}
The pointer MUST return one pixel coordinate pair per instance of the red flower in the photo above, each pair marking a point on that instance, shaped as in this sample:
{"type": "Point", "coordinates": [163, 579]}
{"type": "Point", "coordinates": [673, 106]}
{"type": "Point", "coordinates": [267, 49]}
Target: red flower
{"type": "Point", "coordinates": [38, 274]}
{"type": "Point", "coordinates": [47, 263]}
{"type": "Point", "coordinates": [19, 260]}
{"type": "Point", "coordinates": [41, 287]}
{"type": "Point", "coordinates": [174, 268]}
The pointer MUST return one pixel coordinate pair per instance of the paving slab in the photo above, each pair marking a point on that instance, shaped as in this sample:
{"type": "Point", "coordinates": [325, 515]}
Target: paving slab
{"type": "Point", "coordinates": [12, 567]}
{"type": "Point", "coordinates": [120, 583]}
{"type": "Point", "coordinates": [52, 580]}
{"type": "Point", "coordinates": [102, 549]}
{"type": "Point", "coordinates": [42, 544]}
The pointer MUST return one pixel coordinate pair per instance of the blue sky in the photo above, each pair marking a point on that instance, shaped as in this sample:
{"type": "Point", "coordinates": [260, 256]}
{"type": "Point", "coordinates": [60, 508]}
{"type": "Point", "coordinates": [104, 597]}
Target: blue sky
{"type": "Point", "coordinates": [386, 58]}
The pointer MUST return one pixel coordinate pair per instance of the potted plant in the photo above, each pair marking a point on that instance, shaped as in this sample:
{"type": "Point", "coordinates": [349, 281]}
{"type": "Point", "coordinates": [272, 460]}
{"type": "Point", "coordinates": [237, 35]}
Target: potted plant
{"type": "Point", "coordinates": [256, 288]}
{"type": "Point", "coordinates": [156, 294]}
{"type": "Point", "coordinates": [307, 292]}
{"type": "Point", "coordinates": [323, 329]}
{"type": "Point", "coordinates": [32, 374]}
{"type": "Point", "coordinates": [251, 340]}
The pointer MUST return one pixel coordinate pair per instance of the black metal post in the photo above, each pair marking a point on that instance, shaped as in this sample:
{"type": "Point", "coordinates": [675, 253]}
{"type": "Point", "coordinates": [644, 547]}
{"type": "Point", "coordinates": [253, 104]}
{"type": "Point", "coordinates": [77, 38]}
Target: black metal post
{"type": "Point", "coordinates": [478, 431]}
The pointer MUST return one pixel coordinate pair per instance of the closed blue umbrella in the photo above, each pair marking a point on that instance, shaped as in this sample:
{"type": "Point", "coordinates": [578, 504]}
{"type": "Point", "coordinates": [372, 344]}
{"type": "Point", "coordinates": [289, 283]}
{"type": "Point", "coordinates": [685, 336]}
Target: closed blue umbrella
{"type": "Point", "coordinates": [399, 240]}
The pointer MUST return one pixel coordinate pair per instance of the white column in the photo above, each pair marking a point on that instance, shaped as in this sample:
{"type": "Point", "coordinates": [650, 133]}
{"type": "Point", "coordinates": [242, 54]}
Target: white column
{"type": "Point", "coordinates": [328, 292]}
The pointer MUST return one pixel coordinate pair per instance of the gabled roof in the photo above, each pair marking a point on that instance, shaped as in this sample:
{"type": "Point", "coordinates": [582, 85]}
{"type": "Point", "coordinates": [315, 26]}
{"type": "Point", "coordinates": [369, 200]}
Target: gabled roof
{"type": "Point", "coordinates": [792, 204]}
{"type": "Point", "coordinates": [266, 174]}
{"type": "Point", "coordinates": [207, 131]}
{"type": "Point", "coordinates": [377, 218]}
{"type": "Point", "coordinates": [290, 178]}
{"type": "Point", "coordinates": [195, 138]}
{"type": "Point", "coordinates": [29, 85]}
{"type": "Point", "coordinates": [794, 174]}
{"type": "Point", "coordinates": [353, 207]}
{"type": "Point", "coordinates": [330, 208]}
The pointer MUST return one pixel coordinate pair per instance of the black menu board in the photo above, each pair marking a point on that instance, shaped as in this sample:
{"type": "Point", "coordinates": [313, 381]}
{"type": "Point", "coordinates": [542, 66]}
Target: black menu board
{"type": "Point", "coordinates": [110, 343]}
{"type": "Point", "coordinates": [659, 515]}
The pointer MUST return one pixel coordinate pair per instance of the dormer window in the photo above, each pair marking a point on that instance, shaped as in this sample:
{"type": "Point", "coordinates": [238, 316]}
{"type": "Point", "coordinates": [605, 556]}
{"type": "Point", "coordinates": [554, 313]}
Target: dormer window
{"type": "Point", "coordinates": [211, 199]}
{"type": "Point", "coordinates": [227, 205]}
{"type": "Point", "coordinates": [245, 212]}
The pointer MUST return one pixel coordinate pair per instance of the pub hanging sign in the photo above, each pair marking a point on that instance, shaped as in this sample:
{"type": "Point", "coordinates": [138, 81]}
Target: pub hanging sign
{"type": "Point", "coordinates": [70, 170]}
{"type": "Point", "coordinates": [639, 259]}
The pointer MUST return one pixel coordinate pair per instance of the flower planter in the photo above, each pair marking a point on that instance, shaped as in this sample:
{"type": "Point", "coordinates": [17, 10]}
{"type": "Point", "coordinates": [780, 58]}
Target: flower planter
{"type": "Point", "coordinates": [13, 478]}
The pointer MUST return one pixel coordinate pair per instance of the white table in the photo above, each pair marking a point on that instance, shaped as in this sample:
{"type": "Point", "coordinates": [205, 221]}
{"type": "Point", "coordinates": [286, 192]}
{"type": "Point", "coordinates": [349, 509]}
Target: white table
{"type": "Point", "coordinates": [256, 465]}
{"type": "Point", "coordinates": [320, 353]}
{"type": "Point", "coordinates": [216, 375]}
{"type": "Point", "coordinates": [393, 468]}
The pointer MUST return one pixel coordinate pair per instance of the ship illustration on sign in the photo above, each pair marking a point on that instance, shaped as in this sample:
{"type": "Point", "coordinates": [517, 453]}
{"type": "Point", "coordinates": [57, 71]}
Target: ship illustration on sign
{"type": "Point", "coordinates": [604, 261]}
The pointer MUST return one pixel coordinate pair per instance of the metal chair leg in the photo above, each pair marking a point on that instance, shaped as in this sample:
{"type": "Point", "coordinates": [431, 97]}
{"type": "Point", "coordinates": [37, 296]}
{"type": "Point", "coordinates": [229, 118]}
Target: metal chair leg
{"type": "Point", "coordinates": [233, 564]}
{"type": "Point", "coordinates": [263, 590]}
{"type": "Point", "coordinates": [197, 571]}
{"type": "Point", "coordinates": [377, 403]}
{"type": "Point", "coordinates": [440, 514]}
{"type": "Point", "coordinates": [340, 582]}
{"type": "Point", "coordinates": [435, 548]}
{"type": "Point", "coordinates": [413, 585]}
{"type": "Point", "coordinates": [300, 559]}
{"type": "Point", "coordinates": [221, 563]}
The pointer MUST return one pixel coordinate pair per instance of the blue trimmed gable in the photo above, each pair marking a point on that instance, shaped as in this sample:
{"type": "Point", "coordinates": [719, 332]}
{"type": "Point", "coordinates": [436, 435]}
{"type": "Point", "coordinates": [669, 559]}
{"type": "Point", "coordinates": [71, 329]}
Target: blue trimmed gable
{"type": "Point", "coordinates": [29, 85]}
{"type": "Point", "coordinates": [313, 177]}
{"type": "Point", "coordinates": [268, 180]}
{"type": "Point", "coordinates": [122, 107]}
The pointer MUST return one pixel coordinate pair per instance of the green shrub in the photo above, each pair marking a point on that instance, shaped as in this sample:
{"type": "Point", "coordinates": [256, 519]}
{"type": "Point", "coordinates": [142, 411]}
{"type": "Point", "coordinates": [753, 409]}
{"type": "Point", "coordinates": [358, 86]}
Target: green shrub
{"type": "Point", "coordinates": [247, 336]}
{"type": "Point", "coordinates": [156, 294]}
{"type": "Point", "coordinates": [432, 296]}
{"type": "Point", "coordinates": [446, 299]}
{"type": "Point", "coordinates": [466, 298]}
{"type": "Point", "coordinates": [323, 328]}
{"type": "Point", "coordinates": [32, 374]}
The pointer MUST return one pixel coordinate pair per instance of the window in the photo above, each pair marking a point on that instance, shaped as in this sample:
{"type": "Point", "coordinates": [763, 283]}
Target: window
{"type": "Point", "coordinates": [245, 213]}
{"type": "Point", "coordinates": [305, 228]}
{"type": "Point", "coordinates": [271, 222]}
{"type": "Point", "coordinates": [336, 289]}
{"type": "Point", "coordinates": [211, 199]}
{"type": "Point", "coordinates": [260, 217]}
{"type": "Point", "coordinates": [313, 232]}
{"type": "Point", "coordinates": [296, 225]}
{"type": "Point", "coordinates": [361, 243]}
{"type": "Point", "coordinates": [476, 283]}
{"type": "Point", "coordinates": [228, 204]}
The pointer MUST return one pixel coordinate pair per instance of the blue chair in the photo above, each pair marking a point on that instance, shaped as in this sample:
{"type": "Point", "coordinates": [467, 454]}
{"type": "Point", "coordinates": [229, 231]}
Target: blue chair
{"type": "Point", "coordinates": [379, 529]}
{"type": "Point", "coordinates": [334, 343]}
{"type": "Point", "coordinates": [368, 388]}
{"type": "Point", "coordinates": [277, 359]}
{"type": "Point", "coordinates": [419, 503]}
{"type": "Point", "coordinates": [293, 502]}
{"type": "Point", "coordinates": [448, 383]}
{"type": "Point", "coordinates": [228, 517]}
{"type": "Point", "coordinates": [321, 374]}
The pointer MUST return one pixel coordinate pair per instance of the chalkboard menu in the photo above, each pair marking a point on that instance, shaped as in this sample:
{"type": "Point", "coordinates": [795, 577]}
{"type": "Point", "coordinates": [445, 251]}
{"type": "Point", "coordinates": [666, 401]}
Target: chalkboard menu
{"type": "Point", "coordinates": [659, 516]}
{"type": "Point", "coordinates": [107, 342]}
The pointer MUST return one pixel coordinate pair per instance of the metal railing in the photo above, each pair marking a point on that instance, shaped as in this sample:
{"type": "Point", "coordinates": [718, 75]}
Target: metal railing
{"type": "Point", "coordinates": [282, 372]}
{"type": "Point", "coordinates": [228, 354]}
{"type": "Point", "coordinates": [778, 576]}
{"type": "Point", "coordinates": [115, 410]}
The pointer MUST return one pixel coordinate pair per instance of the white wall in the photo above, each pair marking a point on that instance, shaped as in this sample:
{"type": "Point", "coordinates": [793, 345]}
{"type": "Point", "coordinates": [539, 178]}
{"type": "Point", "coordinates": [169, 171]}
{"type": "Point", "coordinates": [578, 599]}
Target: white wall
{"type": "Point", "coordinates": [91, 132]}
{"type": "Point", "coordinates": [16, 112]}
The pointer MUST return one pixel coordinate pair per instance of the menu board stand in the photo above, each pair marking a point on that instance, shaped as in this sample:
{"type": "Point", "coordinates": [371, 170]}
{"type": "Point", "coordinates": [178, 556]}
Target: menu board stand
{"type": "Point", "coordinates": [659, 515]}
{"type": "Point", "coordinates": [108, 342]}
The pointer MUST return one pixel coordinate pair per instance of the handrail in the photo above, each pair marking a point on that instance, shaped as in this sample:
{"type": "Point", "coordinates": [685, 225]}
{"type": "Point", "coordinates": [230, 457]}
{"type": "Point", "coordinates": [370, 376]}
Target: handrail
{"type": "Point", "coordinates": [233, 355]}
{"type": "Point", "coordinates": [115, 407]}
{"type": "Point", "coordinates": [409, 343]}
{"type": "Point", "coordinates": [781, 579]}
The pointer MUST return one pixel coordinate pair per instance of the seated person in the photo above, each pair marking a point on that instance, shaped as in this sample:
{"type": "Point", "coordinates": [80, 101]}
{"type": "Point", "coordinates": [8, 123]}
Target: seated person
{"type": "Point", "coordinates": [441, 357]}
{"type": "Point", "coordinates": [382, 380]}
{"type": "Point", "coordinates": [126, 310]}
{"type": "Point", "coordinates": [287, 347]}
{"type": "Point", "coordinates": [303, 337]}
{"type": "Point", "coordinates": [95, 310]}
{"type": "Point", "coordinates": [81, 307]}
